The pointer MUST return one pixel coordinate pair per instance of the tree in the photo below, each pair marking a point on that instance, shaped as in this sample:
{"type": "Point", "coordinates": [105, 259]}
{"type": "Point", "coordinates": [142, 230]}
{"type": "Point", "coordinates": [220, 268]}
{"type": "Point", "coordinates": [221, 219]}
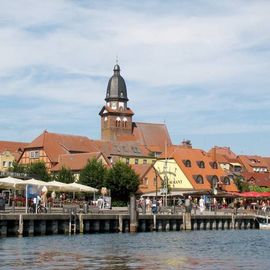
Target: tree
{"type": "Point", "coordinates": [122, 181]}
{"type": "Point", "coordinates": [18, 168]}
{"type": "Point", "coordinates": [38, 170]}
{"type": "Point", "coordinates": [241, 184]}
{"type": "Point", "coordinates": [64, 175]}
{"type": "Point", "coordinates": [93, 174]}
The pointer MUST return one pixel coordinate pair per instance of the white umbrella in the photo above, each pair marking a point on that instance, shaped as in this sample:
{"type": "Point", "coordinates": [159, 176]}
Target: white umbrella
{"type": "Point", "coordinates": [10, 182]}
{"type": "Point", "coordinates": [59, 186]}
{"type": "Point", "coordinates": [82, 188]}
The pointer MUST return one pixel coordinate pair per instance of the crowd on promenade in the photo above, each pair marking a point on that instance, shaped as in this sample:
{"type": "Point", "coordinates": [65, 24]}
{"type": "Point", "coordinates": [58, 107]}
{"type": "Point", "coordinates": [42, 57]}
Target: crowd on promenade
{"type": "Point", "coordinates": [202, 204]}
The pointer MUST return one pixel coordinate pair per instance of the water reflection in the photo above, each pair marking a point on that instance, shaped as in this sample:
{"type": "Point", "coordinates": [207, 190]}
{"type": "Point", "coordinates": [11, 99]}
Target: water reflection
{"type": "Point", "coordinates": [170, 250]}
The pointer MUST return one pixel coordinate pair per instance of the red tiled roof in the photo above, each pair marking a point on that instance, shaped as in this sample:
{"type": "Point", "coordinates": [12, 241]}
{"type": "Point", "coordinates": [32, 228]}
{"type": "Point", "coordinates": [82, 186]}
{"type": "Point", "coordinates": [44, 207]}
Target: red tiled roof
{"type": "Point", "coordinates": [11, 146]}
{"type": "Point", "coordinates": [195, 156]}
{"type": "Point", "coordinates": [152, 135]}
{"type": "Point", "coordinates": [141, 169]}
{"type": "Point", "coordinates": [260, 179]}
{"type": "Point", "coordinates": [57, 144]}
{"type": "Point", "coordinates": [250, 162]}
{"type": "Point", "coordinates": [76, 162]}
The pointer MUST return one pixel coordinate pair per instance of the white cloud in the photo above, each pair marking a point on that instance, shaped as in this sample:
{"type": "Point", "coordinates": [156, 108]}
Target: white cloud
{"type": "Point", "coordinates": [186, 60]}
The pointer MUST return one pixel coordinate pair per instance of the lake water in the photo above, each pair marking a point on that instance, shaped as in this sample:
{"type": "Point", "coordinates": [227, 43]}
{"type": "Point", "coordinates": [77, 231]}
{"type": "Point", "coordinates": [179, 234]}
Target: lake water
{"type": "Point", "coordinates": [232, 249]}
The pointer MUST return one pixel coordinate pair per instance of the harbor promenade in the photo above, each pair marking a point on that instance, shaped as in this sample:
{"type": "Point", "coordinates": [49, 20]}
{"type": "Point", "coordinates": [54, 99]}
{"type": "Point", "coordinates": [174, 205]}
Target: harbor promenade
{"type": "Point", "coordinates": [73, 220]}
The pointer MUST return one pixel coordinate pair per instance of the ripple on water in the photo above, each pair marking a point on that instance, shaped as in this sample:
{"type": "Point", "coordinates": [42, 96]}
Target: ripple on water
{"type": "Point", "coordinates": [163, 250]}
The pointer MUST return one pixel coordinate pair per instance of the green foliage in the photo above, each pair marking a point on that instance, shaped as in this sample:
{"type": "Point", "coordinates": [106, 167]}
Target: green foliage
{"type": "Point", "coordinates": [38, 170]}
{"type": "Point", "coordinates": [241, 184]}
{"type": "Point", "coordinates": [122, 181]}
{"type": "Point", "coordinates": [64, 176]}
{"type": "Point", "coordinates": [258, 189]}
{"type": "Point", "coordinates": [18, 168]}
{"type": "Point", "coordinates": [119, 203]}
{"type": "Point", "coordinates": [93, 174]}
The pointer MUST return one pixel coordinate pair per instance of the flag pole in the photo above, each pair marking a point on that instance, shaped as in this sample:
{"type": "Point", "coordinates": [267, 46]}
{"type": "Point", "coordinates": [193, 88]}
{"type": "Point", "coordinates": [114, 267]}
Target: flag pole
{"type": "Point", "coordinates": [26, 198]}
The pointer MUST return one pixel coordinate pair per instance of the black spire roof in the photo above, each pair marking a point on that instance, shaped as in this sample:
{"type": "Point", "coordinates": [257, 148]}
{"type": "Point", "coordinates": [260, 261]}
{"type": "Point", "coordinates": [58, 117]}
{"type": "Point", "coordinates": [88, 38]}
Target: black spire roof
{"type": "Point", "coordinates": [116, 89]}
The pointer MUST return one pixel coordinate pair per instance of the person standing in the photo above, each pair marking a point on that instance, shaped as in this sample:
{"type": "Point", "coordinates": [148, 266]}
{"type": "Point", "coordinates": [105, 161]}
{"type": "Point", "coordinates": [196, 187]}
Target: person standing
{"type": "Point", "coordinates": [201, 205]}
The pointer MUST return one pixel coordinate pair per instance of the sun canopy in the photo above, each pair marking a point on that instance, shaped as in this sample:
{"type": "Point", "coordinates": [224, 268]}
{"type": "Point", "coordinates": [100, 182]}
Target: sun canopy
{"type": "Point", "coordinates": [253, 194]}
{"type": "Point", "coordinates": [82, 188]}
{"type": "Point", "coordinates": [11, 182]}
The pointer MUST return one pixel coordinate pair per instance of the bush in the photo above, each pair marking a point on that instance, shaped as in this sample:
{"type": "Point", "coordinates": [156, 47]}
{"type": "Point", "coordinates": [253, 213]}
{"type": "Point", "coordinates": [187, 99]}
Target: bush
{"type": "Point", "coordinates": [119, 203]}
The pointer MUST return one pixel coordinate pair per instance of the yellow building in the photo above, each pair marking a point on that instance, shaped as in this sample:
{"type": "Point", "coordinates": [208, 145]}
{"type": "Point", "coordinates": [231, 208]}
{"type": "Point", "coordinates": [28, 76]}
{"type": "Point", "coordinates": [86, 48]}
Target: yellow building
{"type": "Point", "coordinates": [6, 160]}
{"type": "Point", "coordinates": [176, 178]}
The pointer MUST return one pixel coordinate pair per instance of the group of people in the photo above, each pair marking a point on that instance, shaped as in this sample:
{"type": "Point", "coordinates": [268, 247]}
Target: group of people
{"type": "Point", "coordinates": [149, 204]}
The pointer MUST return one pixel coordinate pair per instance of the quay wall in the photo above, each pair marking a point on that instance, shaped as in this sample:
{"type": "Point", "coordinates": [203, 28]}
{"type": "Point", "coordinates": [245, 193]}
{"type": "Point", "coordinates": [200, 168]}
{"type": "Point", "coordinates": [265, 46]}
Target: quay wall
{"type": "Point", "coordinates": [14, 224]}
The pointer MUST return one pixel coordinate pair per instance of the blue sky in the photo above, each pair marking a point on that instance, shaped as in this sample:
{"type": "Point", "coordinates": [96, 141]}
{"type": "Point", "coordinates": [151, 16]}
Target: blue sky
{"type": "Point", "coordinates": [200, 66]}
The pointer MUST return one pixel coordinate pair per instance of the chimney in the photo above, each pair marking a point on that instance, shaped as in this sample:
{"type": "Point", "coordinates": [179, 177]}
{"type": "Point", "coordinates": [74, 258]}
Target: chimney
{"type": "Point", "coordinates": [186, 144]}
{"type": "Point", "coordinates": [214, 154]}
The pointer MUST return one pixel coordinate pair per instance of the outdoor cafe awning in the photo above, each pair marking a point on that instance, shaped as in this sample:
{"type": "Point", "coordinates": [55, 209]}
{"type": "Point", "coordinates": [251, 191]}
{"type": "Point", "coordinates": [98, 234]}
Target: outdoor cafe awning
{"type": "Point", "coordinates": [253, 194]}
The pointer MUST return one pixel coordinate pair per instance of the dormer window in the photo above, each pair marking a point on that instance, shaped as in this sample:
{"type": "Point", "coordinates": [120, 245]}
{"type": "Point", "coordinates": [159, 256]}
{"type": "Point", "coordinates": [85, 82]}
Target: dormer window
{"type": "Point", "coordinates": [226, 181]}
{"type": "Point", "coordinates": [214, 165]}
{"type": "Point", "coordinates": [187, 163]}
{"type": "Point", "coordinates": [214, 181]}
{"type": "Point", "coordinates": [199, 179]}
{"type": "Point", "coordinates": [201, 164]}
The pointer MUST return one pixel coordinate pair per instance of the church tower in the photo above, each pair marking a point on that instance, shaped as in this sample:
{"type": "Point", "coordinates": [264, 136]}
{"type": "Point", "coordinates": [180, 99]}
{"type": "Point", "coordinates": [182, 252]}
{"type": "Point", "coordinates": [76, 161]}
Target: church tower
{"type": "Point", "coordinates": [116, 117]}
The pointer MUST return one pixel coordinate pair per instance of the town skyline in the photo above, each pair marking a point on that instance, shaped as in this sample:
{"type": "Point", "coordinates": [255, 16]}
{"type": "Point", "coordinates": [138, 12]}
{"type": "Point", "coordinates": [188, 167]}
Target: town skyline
{"type": "Point", "coordinates": [201, 67]}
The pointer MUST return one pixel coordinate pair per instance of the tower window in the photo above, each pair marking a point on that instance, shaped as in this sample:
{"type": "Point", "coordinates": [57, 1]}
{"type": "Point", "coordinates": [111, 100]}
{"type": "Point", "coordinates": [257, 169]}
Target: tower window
{"type": "Point", "coordinates": [118, 122]}
{"type": "Point", "coordinates": [124, 124]}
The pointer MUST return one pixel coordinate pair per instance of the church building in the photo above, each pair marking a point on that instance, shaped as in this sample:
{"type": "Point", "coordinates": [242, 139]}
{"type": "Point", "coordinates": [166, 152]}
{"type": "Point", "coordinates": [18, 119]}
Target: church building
{"type": "Point", "coordinates": [116, 120]}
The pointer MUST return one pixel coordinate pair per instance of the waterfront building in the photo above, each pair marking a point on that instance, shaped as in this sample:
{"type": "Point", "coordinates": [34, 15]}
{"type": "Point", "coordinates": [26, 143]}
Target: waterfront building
{"type": "Point", "coordinates": [48, 147]}
{"type": "Point", "coordinates": [253, 164]}
{"type": "Point", "coordinates": [184, 168]}
{"type": "Point", "coordinates": [226, 159]}
{"type": "Point", "coordinates": [9, 152]}
{"type": "Point", "coordinates": [76, 162]}
{"type": "Point", "coordinates": [150, 181]}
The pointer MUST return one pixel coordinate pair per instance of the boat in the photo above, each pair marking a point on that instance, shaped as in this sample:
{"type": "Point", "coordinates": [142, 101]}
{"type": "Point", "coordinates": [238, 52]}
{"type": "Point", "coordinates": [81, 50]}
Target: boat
{"type": "Point", "coordinates": [264, 223]}
{"type": "Point", "coordinates": [264, 226]}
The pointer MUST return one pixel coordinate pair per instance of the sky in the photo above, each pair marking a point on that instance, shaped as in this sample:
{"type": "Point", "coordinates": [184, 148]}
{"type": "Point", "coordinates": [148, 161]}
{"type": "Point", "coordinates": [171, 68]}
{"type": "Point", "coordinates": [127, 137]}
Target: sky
{"type": "Point", "coordinates": [201, 67]}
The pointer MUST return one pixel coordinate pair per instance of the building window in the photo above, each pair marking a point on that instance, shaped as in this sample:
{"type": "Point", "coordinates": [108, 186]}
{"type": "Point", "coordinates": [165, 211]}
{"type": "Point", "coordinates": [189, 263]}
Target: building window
{"type": "Point", "coordinates": [9, 164]}
{"type": "Point", "coordinates": [34, 154]}
{"type": "Point", "coordinates": [127, 161]}
{"type": "Point", "coordinates": [199, 179]}
{"type": "Point", "coordinates": [124, 122]}
{"type": "Point", "coordinates": [4, 164]}
{"type": "Point", "coordinates": [145, 181]}
{"type": "Point", "coordinates": [201, 164]}
{"type": "Point", "coordinates": [226, 181]}
{"type": "Point", "coordinates": [214, 165]}
{"type": "Point", "coordinates": [187, 163]}
{"type": "Point", "coordinates": [136, 161]}
{"type": "Point", "coordinates": [144, 161]}
{"type": "Point", "coordinates": [214, 181]}
{"type": "Point", "coordinates": [118, 122]}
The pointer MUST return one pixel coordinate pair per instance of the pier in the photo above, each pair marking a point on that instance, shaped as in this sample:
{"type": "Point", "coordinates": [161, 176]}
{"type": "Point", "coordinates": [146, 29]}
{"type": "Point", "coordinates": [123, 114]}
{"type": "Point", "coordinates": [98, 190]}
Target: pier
{"type": "Point", "coordinates": [21, 224]}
